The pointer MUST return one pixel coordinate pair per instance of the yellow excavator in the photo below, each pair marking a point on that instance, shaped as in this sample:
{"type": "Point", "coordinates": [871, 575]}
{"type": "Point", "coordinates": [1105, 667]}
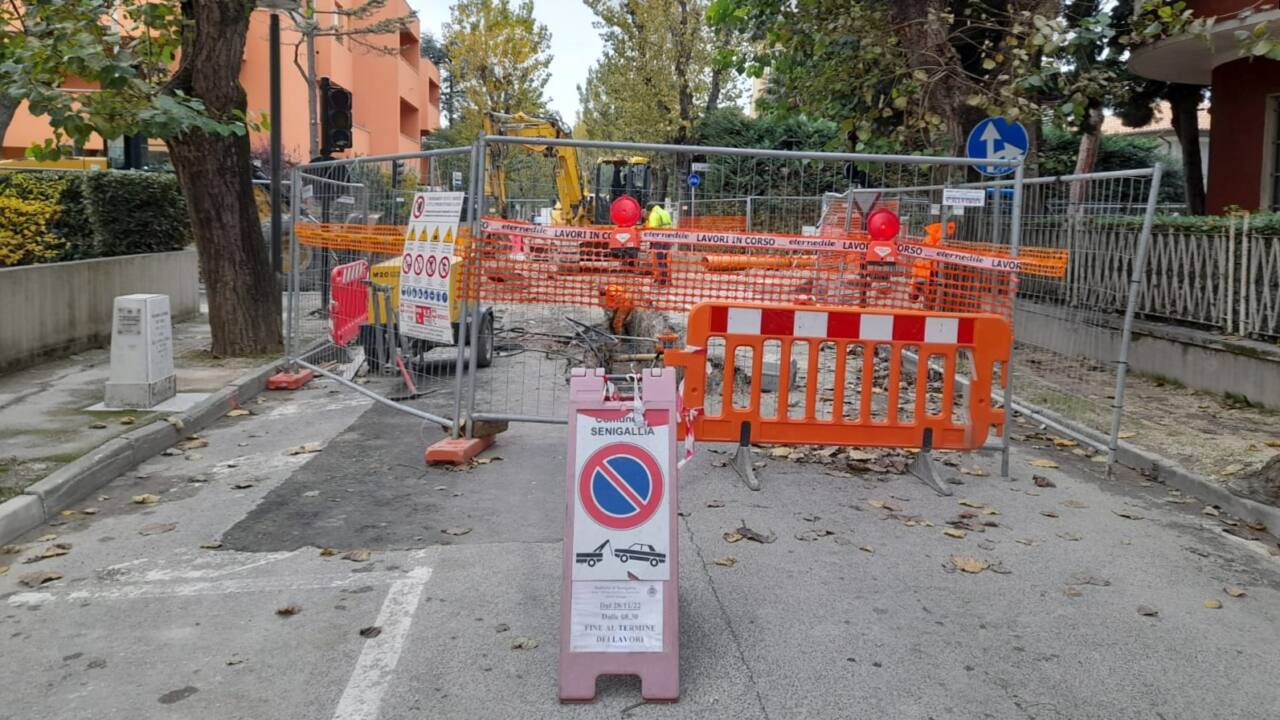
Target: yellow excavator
{"type": "Point", "coordinates": [576, 203]}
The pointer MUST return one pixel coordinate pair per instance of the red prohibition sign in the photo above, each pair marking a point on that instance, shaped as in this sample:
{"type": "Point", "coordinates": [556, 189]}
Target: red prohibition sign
{"type": "Point", "coordinates": [407, 265]}
{"type": "Point", "coordinates": [419, 205]}
{"type": "Point", "coordinates": [444, 266]}
{"type": "Point", "coordinates": [431, 266]}
{"type": "Point", "coordinates": [621, 486]}
{"type": "Point", "coordinates": [417, 264]}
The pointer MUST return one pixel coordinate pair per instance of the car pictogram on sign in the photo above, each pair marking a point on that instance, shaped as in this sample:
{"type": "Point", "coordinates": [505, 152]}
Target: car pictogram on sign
{"type": "Point", "coordinates": [621, 486]}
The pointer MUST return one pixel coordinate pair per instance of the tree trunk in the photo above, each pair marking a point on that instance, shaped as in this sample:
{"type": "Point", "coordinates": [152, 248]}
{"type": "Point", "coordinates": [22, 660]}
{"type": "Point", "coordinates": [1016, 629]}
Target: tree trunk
{"type": "Point", "coordinates": [1184, 105]}
{"type": "Point", "coordinates": [213, 170]}
{"type": "Point", "coordinates": [8, 108]}
{"type": "Point", "coordinates": [1087, 155]}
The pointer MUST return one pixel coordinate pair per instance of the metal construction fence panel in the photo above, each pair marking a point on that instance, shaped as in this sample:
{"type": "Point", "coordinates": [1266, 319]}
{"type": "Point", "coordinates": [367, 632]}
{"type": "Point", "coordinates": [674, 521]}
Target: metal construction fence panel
{"type": "Point", "coordinates": [344, 280]}
{"type": "Point", "coordinates": [756, 227]}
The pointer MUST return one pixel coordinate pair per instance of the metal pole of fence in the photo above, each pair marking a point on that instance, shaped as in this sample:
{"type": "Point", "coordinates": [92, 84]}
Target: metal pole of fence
{"type": "Point", "coordinates": [1015, 238]}
{"type": "Point", "coordinates": [1246, 287]}
{"type": "Point", "coordinates": [749, 213]}
{"type": "Point", "coordinates": [291, 330]}
{"type": "Point", "coordinates": [1231, 272]}
{"type": "Point", "coordinates": [474, 191]}
{"type": "Point", "coordinates": [273, 61]}
{"type": "Point", "coordinates": [1131, 306]}
{"type": "Point", "coordinates": [475, 309]}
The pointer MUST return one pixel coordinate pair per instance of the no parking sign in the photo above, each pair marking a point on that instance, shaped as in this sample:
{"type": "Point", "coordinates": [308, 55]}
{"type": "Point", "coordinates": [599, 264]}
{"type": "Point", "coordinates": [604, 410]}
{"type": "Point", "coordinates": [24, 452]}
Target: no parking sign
{"type": "Point", "coordinates": [618, 596]}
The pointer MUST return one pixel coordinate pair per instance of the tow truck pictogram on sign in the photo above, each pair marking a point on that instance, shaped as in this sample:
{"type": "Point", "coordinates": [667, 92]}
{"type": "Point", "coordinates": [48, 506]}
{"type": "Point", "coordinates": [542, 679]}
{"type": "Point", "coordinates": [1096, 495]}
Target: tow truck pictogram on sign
{"type": "Point", "coordinates": [621, 486]}
{"type": "Point", "coordinates": [641, 552]}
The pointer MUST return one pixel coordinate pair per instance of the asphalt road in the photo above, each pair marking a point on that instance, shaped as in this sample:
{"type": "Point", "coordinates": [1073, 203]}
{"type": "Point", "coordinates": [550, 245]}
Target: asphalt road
{"type": "Point", "coordinates": [145, 623]}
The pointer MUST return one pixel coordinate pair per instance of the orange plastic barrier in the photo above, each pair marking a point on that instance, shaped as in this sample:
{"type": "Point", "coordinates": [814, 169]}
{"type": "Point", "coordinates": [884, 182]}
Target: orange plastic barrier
{"type": "Point", "coordinates": [727, 223]}
{"type": "Point", "coordinates": [878, 348]}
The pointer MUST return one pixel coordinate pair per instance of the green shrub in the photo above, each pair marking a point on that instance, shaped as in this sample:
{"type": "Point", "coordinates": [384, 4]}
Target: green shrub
{"type": "Point", "coordinates": [24, 232]}
{"type": "Point", "coordinates": [135, 212]}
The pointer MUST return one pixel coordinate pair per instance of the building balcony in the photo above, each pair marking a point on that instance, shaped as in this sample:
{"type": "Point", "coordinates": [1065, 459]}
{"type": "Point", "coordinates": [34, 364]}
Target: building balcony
{"type": "Point", "coordinates": [407, 81]}
{"type": "Point", "coordinates": [1191, 59]}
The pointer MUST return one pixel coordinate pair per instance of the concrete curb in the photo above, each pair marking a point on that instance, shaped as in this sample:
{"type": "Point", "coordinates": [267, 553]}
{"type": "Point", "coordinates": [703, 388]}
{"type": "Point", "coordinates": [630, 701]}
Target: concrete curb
{"type": "Point", "coordinates": [45, 499]}
{"type": "Point", "coordinates": [1159, 468]}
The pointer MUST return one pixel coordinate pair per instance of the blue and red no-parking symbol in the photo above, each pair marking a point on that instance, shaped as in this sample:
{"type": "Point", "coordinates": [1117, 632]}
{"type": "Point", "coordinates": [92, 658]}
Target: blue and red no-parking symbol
{"type": "Point", "coordinates": [621, 486]}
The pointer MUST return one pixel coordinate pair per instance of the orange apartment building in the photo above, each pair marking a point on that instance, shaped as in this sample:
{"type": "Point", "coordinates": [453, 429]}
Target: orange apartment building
{"type": "Point", "coordinates": [396, 93]}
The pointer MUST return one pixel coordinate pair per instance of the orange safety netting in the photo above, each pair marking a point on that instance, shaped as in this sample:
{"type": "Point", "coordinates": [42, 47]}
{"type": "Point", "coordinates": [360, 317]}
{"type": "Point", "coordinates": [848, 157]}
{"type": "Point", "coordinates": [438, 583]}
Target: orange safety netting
{"type": "Point", "coordinates": [382, 239]}
{"type": "Point", "coordinates": [730, 223]}
{"type": "Point", "coordinates": [623, 269]}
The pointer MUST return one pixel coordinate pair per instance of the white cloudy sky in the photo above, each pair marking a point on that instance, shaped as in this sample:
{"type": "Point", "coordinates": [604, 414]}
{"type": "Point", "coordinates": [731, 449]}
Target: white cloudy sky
{"type": "Point", "coordinates": [574, 43]}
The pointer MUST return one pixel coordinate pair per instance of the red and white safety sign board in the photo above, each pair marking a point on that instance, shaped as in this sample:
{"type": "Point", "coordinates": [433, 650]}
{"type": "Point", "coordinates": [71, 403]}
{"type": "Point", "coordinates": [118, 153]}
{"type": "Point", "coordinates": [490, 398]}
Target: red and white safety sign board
{"type": "Point", "coordinates": [426, 263]}
{"type": "Point", "coordinates": [619, 600]}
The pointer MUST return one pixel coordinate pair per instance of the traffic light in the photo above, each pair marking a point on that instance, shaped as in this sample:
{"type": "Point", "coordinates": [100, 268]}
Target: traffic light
{"type": "Point", "coordinates": [335, 117]}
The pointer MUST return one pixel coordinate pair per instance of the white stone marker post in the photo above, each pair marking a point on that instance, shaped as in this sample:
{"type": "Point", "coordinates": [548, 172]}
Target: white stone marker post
{"type": "Point", "coordinates": [141, 353]}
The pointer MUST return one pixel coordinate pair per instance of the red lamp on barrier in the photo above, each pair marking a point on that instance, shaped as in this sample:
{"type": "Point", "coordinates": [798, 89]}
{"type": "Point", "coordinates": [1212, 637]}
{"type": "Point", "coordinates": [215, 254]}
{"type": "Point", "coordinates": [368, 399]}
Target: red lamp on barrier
{"type": "Point", "coordinates": [625, 213]}
{"type": "Point", "coordinates": [883, 226]}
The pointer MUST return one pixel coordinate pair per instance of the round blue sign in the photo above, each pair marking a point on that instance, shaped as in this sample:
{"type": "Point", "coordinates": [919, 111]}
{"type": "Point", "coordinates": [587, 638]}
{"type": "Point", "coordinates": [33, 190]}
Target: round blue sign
{"type": "Point", "coordinates": [997, 139]}
{"type": "Point", "coordinates": [694, 180]}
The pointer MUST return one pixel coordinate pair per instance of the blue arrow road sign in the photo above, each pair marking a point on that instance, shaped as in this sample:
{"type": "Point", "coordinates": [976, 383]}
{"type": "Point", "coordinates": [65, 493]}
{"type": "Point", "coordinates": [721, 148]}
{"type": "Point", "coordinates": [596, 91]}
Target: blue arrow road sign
{"type": "Point", "coordinates": [694, 180]}
{"type": "Point", "coordinates": [997, 139]}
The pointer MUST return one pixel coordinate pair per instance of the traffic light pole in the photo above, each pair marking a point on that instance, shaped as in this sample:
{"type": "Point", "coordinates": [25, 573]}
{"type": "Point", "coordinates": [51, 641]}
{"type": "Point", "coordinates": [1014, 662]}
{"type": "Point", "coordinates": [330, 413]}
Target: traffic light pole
{"type": "Point", "coordinates": [277, 244]}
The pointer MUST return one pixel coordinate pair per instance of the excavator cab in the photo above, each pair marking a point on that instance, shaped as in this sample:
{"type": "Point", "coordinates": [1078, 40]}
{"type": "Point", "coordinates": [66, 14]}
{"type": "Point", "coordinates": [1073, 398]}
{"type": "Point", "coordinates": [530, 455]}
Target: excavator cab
{"type": "Point", "coordinates": [618, 176]}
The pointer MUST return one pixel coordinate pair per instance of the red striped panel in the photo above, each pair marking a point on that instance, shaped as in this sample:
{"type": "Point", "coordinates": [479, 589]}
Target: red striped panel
{"type": "Point", "coordinates": [777, 322]}
{"type": "Point", "coordinates": [964, 334]}
{"type": "Point", "coordinates": [908, 328]}
{"type": "Point", "coordinates": [719, 318]}
{"type": "Point", "coordinates": [843, 325]}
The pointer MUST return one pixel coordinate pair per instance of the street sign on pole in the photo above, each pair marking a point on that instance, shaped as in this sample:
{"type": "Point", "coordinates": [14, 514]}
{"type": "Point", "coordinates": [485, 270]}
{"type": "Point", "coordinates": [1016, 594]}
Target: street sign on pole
{"type": "Point", "coordinates": [997, 139]}
{"type": "Point", "coordinates": [694, 180]}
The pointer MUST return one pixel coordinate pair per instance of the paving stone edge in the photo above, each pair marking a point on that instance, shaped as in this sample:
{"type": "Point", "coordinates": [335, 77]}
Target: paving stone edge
{"type": "Point", "coordinates": [45, 499]}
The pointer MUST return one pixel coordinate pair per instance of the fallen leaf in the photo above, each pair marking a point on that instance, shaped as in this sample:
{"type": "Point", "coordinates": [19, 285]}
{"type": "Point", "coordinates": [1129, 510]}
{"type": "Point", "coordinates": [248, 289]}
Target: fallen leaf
{"type": "Point", "coordinates": [53, 551]}
{"type": "Point", "coordinates": [68, 513]}
{"type": "Point", "coordinates": [4, 569]}
{"type": "Point", "coordinates": [214, 545]}
{"type": "Point", "coordinates": [442, 487]}
{"type": "Point", "coordinates": [523, 643]}
{"type": "Point", "coordinates": [241, 485]}
{"type": "Point", "coordinates": [990, 511]}
{"type": "Point", "coordinates": [780, 452]}
{"type": "Point", "coordinates": [1213, 604]}
{"type": "Point", "coordinates": [1000, 569]}
{"type": "Point", "coordinates": [1064, 442]}
{"type": "Point", "coordinates": [1127, 514]}
{"type": "Point", "coordinates": [1126, 434]}
{"type": "Point", "coordinates": [953, 532]}
{"type": "Point", "coordinates": [1074, 592]}
{"type": "Point", "coordinates": [1029, 542]}
{"type": "Point", "coordinates": [36, 579]}
{"type": "Point", "coordinates": [754, 536]}
{"type": "Point", "coordinates": [192, 443]}
{"type": "Point", "coordinates": [147, 499]}
{"type": "Point", "coordinates": [812, 535]}
{"type": "Point", "coordinates": [128, 420]}
{"type": "Point", "coordinates": [715, 504]}
{"type": "Point", "coordinates": [194, 456]}
{"type": "Point", "coordinates": [860, 455]}
{"type": "Point", "coordinates": [311, 447]}
{"type": "Point", "coordinates": [357, 555]}
{"type": "Point", "coordinates": [1069, 537]}
{"type": "Point", "coordinates": [372, 631]}
{"type": "Point", "coordinates": [176, 422]}
{"type": "Point", "coordinates": [90, 511]}
{"type": "Point", "coordinates": [234, 661]}
{"type": "Point", "coordinates": [1272, 443]}
{"type": "Point", "coordinates": [13, 549]}
{"type": "Point", "coordinates": [975, 471]}
{"type": "Point", "coordinates": [289, 610]}
{"type": "Point", "coordinates": [728, 561]}
{"type": "Point", "coordinates": [501, 627]}
{"type": "Point", "coordinates": [969, 564]}
{"type": "Point", "coordinates": [1211, 511]}
{"type": "Point", "coordinates": [1042, 481]}
{"type": "Point", "coordinates": [1098, 458]}
{"type": "Point", "coordinates": [98, 426]}
{"type": "Point", "coordinates": [238, 412]}
{"type": "Point", "coordinates": [1147, 611]}
{"type": "Point", "coordinates": [157, 528]}
{"type": "Point", "coordinates": [1235, 591]}
{"type": "Point", "coordinates": [1076, 504]}
{"type": "Point", "coordinates": [171, 452]}
{"type": "Point", "coordinates": [877, 504]}
{"type": "Point", "coordinates": [970, 503]}
{"type": "Point", "coordinates": [867, 549]}
{"type": "Point", "coordinates": [456, 531]}
{"type": "Point", "coordinates": [1049, 513]}
{"type": "Point", "coordinates": [1044, 463]}
{"type": "Point", "coordinates": [1231, 469]}
{"type": "Point", "coordinates": [1089, 580]}
{"type": "Point", "coordinates": [47, 538]}
{"type": "Point", "coordinates": [1256, 525]}
{"type": "Point", "coordinates": [732, 537]}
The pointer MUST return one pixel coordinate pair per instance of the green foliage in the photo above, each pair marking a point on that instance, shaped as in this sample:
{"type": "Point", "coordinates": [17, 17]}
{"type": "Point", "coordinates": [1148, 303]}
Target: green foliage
{"type": "Point", "coordinates": [135, 212]}
{"type": "Point", "coordinates": [499, 59]}
{"type": "Point", "coordinates": [730, 127]}
{"type": "Point", "coordinates": [1259, 224]}
{"type": "Point", "coordinates": [98, 214]}
{"type": "Point", "coordinates": [1115, 152]}
{"type": "Point", "coordinates": [24, 231]}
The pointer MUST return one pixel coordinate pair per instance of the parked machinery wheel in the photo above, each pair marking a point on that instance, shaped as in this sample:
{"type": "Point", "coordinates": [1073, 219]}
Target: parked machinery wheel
{"type": "Point", "coordinates": [484, 357]}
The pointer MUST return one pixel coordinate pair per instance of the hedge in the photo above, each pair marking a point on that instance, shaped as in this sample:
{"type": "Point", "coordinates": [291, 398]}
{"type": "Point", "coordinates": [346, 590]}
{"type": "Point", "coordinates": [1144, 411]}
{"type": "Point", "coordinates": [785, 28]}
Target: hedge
{"type": "Point", "coordinates": [53, 216]}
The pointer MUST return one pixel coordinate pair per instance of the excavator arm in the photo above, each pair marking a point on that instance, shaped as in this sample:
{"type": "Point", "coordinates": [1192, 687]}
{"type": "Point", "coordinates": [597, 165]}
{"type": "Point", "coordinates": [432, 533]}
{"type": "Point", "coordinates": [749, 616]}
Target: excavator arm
{"type": "Point", "coordinates": [569, 187]}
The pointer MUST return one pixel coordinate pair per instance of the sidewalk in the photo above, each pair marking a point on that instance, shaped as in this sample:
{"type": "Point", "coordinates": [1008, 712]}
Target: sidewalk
{"type": "Point", "coordinates": [44, 423]}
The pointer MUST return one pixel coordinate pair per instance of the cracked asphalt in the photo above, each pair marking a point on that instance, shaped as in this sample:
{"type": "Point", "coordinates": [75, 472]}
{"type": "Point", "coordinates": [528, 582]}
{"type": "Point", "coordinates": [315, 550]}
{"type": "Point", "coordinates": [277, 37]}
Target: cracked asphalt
{"type": "Point", "coordinates": [870, 619]}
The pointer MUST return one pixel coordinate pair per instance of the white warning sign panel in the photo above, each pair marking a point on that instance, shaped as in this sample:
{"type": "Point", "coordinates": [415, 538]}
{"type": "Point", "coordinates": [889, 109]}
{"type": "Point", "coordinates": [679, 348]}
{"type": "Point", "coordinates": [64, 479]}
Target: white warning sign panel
{"type": "Point", "coordinates": [425, 266]}
{"type": "Point", "coordinates": [621, 524]}
{"type": "Point", "coordinates": [616, 616]}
